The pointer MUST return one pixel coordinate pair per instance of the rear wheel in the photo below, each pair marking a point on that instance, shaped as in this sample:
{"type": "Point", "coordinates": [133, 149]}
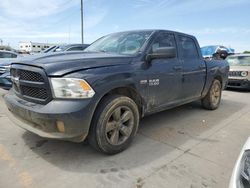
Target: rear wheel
{"type": "Point", "coordinates": [212, 100]}
{"type": "Point", "coordinates": [114, 125]}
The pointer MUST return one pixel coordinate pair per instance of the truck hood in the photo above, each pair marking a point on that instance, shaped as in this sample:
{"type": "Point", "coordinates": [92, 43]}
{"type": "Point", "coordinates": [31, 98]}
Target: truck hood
{"type": "Point", "coordinates": [239, 68]}
{"type": "Point", "coordinates": [59, 64]}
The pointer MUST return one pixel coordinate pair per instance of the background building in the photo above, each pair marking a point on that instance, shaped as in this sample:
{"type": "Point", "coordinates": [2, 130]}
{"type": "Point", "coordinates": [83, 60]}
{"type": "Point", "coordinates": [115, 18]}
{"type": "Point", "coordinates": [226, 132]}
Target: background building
{"type": "Point", "coordinates": [34, 47]}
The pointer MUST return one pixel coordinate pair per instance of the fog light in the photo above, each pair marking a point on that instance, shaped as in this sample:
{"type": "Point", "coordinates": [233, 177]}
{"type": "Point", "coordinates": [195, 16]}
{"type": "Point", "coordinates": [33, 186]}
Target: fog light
{"type": "Point", "coordinates": [60, 126]}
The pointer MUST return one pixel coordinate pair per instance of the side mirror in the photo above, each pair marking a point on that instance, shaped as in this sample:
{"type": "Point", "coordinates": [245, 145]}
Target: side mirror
{"type": "Point", "coordinates": [223, 54]}
{"type": "Point", "coordinates": [161, 53]}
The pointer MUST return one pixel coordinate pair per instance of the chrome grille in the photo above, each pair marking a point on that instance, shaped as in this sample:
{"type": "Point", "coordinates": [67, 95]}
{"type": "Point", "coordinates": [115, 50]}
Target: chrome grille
{"type": "Point", "coordinates": [2, 70]}
{"type": "Point", "coordinates": [235, 73]}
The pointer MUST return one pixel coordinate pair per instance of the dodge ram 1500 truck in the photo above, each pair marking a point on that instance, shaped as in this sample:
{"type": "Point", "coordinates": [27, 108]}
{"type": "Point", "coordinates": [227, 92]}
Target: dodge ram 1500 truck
{"type": "Point", "coordinates": [102, 93]}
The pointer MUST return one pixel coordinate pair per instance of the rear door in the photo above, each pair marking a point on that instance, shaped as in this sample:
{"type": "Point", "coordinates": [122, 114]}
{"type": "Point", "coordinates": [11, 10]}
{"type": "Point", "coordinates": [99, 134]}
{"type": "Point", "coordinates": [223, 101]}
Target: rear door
{"type": "Point", "coordinates": [164, 75]}
{"type": "Point", "coordinates": [193, 68]}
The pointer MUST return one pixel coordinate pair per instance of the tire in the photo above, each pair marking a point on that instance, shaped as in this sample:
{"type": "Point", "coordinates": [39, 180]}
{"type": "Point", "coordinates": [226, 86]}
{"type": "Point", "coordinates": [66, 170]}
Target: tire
{"type": "Point", "coordinates": [114, 125]}
{"type": "Point", "coordinates": [212, 100]}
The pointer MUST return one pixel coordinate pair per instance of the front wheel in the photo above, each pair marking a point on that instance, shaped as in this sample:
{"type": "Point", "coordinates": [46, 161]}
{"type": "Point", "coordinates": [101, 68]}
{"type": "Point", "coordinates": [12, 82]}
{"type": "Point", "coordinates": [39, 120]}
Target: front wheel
{"type": "Point", "coordinates": [212, 100]}
{"type": "Point", "coordinates": [114, 125]}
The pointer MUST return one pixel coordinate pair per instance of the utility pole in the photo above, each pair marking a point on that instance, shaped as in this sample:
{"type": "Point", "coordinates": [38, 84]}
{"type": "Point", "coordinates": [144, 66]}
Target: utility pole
{"type": "Point", "coordinates": [82, 22]}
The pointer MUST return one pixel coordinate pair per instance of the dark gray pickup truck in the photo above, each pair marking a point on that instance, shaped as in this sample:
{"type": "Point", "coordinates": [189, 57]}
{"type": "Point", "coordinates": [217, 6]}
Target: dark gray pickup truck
{"type": "Point", "coordinates": [102, 93]}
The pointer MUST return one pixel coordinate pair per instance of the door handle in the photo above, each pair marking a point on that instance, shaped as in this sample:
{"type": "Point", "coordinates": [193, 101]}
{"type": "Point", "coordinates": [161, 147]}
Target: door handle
{"type": "Point", "coordinates": [177, 68]}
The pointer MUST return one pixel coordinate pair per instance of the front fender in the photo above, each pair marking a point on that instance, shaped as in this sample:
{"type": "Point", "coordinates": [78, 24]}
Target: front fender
{"type": "Point", "coordinates": [105, 79]}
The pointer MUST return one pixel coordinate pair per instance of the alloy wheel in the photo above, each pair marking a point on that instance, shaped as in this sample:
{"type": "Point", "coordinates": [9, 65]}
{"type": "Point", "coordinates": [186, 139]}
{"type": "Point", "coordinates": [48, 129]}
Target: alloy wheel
{"type": "Point", "coordinates": [119, 125]}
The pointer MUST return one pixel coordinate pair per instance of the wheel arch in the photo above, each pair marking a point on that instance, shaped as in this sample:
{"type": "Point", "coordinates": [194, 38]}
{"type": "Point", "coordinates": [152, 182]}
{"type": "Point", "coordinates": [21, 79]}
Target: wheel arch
{"type": "Point", "coordinates": [218, 77]}
{"type": "Point", "coordinates": [209, 82]}
{"type": "Point", "coordinates": [128, 91]}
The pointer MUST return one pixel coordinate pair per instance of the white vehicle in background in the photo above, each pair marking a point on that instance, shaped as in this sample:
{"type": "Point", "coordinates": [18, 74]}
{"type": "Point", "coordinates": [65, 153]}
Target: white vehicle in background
{"type": "Point", "coordinates": [241, 173]}
{"type": "Point", "coordinates": [239, 74]}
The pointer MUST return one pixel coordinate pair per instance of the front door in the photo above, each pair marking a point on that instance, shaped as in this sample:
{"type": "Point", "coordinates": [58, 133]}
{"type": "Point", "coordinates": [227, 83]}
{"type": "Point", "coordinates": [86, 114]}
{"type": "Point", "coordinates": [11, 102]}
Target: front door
{"type": "Point", "coordinates": [164, 75]}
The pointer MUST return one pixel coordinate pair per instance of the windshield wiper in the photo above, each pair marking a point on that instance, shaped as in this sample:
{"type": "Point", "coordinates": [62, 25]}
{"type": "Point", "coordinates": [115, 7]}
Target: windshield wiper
{"type": "Point", "coordinates": [103, 51]}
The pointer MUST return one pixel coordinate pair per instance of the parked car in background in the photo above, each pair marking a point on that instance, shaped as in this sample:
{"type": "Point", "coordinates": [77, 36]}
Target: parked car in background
{"type": "Point", "coordinates": [5, 81]}
{"type": "Point", "coordinates": [239, 76]}
{"type": "Point", "coordinates": [6, 57]}
{"type": "Point", "coordinates": [216, 52]}
{"type": "Point", "coordinates": [241, 174]}
{"type": "Point", "coordinates": [68, 47]}
{"type": "Point", "coordinates": [103, 93]}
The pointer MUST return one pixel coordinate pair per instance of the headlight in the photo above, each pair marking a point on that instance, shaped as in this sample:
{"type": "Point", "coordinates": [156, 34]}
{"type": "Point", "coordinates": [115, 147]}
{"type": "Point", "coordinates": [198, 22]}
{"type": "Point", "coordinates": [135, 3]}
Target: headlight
{"type": "Point", "coordinates": [244, 170]}
{"type": "Point", "coordinates": [5, 68]}
{"type": "Point", "coordinates": [244, 73]}
{"type": "Point", "coordinates": [71, 88]}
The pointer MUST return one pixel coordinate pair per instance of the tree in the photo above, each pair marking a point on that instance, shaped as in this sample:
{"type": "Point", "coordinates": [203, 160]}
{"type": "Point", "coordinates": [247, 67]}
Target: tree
{"type": "Point", "coordinates": [246, 52]}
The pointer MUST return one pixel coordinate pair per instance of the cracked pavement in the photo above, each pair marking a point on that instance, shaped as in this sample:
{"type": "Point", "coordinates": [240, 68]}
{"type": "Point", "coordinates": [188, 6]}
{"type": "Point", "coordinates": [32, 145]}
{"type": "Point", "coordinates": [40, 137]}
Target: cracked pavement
{"type": "Point", "coordinates": [182, 147]}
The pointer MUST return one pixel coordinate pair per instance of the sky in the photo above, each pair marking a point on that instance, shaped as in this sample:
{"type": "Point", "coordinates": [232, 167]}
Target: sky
{"type": "Point", "coordinates": [58, 21]}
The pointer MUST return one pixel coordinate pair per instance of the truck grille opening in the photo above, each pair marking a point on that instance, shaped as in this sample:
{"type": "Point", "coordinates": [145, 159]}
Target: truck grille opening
{"type": "Point", "coordinates": [27, 75]}
{"type": "Point", "coordinates": [39, 93]}
{"type": "Point", "coordinates": [30, 85]}
{"type": "Point", "coordinates": [31, 76]}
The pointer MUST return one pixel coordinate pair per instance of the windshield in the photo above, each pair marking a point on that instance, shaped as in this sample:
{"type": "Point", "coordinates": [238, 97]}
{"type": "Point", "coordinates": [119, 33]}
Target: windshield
{"type": "Point", "coordinates": [49, 49]}
{"type": "Point", "coordinates": [120, 43]}
{"type": "Point", "coordinates": [239, 60]}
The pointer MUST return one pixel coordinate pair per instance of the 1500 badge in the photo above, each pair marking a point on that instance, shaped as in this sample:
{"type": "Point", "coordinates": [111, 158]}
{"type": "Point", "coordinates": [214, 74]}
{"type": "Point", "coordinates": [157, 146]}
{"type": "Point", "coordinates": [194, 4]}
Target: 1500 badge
{"type": "Point", "coordinates": [153, 82]}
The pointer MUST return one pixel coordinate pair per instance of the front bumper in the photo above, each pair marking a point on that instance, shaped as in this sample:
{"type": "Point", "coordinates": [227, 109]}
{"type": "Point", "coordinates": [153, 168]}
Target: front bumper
{"type": "Point", "coordinates": [238, 83]}
{"type": "Point", "coordinates": [42, 119]}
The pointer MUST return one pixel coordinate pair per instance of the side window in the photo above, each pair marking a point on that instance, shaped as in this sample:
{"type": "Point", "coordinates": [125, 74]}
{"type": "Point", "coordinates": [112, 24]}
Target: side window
{"type": "Point", "coordinates": [163, 40]}
{"type": "Point", "coordinates": [13, 55]}
{"type": "Point", "coordinates": [188, 48]}
{"type": "Point", "coordinates": [77, 48]}
{"type": "Point", "coordinates": [7, 55]}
